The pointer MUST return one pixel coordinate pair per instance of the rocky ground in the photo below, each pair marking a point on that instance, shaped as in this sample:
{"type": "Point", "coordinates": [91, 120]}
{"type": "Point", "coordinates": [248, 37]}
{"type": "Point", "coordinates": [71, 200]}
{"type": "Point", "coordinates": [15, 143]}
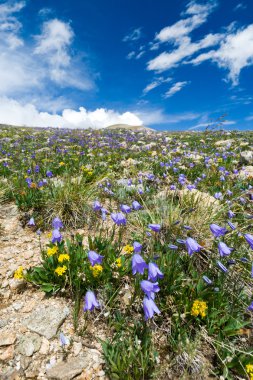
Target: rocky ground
{"type": "Point", "coordinates": [30, 322]}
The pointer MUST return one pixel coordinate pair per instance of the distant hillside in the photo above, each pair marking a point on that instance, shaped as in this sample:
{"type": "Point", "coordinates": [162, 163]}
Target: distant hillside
{"type": "Point", "coordinates": [129, 127]}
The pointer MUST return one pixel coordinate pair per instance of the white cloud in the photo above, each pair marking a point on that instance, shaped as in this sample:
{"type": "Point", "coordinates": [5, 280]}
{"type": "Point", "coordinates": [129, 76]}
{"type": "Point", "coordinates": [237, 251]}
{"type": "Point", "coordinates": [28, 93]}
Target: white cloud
{"type": "Point", "coordinates": [234, 53]}
{"type": "Point", "coordinates": [175, 88]}
{"type": "Point", "coordinates": [41, 64]}
{"type": "Point", "coordinates": [130, 55]}
{"type": "Point", "coordinates": [134, 35]}
{"type": "Point", "coordinates": [14, 113]}
{"type": "Point", "coordinates": [249, 118]}
{"type": "Point", "coordinates": [198, 15]}
{"type": "Point", "coordinates": [240, 6]}
{"type": "Point", "coordinates": [157, 82]}
{"type": "Point", "coordinates": [54, 41]}
{"type": "Point", "coordinates": [9, 24]}
{"type": "Point", "coordinates": [186, 48]}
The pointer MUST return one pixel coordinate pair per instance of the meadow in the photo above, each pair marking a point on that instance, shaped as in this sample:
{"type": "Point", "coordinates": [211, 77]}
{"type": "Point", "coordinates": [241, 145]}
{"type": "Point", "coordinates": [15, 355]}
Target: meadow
{"type": "Point", "coordinates": [150, 237]}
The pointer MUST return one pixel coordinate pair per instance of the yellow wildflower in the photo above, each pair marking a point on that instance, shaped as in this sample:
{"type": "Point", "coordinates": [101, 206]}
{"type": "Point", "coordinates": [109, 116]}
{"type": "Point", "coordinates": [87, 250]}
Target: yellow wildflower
{"type": "Point", "coordinates": [52, 251]}
{"type": "Point", "coordinates": [61, 163]}
{"type": "Point", "coordinates": [128, 249]}
{"type": "Point", "coordinates": [199, 308]}
{"type": "Point", "coordinates": [249, 370]}
{"type": "Point", "coordinates": [90, 172]}
{"type": "Point", "coordinates": [18, 275]}
{"type": "Point", "coordinates": [49, 235]}
{"type": "Point", "coordinates": [60, 270]}
{"type": "Point", "coordinates": [63, 257]}
{"type": "Point", "coordinates": [119, 262]}
{"type": "Point", "coordinates": [96, 270]}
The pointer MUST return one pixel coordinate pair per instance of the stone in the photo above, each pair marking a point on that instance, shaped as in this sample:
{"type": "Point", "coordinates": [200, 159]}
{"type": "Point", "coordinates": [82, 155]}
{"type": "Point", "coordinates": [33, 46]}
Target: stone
{"type": "Point", "coordinates": [67, 370]}
{"type": "Point", "coordinates": [46, 319]}
{"type": "Point", "coordinates": [28, 344]}
{"type": "Point", "coordinates": [7, 338]}
{"type": "Point", "coordinates": [25, 362]}
{"type": "Point", "coordinates": [77, 348]}
{"type": "Point", "coordinates": [7, 354]}
{"type": "Point", "coordinates": [246, 172]}
{"type": "Point", "coordinates": [247, 157]}
{"type": "Point", "coordinates": [224, 143]}
{"type": "Point", "coordinates": [16, 285]}
{"type": "Point", "coordinates": [44, 348]}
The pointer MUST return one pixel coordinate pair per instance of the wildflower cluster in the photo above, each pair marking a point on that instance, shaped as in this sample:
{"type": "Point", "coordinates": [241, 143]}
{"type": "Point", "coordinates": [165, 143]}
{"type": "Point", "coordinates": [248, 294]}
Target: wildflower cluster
{"type": "Point", "coordinates": [199, 308]}
{"type": "Point", "coordinates": [249, 370]}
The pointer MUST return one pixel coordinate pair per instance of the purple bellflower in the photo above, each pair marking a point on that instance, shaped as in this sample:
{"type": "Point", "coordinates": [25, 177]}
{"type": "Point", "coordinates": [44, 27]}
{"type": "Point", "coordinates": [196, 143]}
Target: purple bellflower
{"type": "Point", "coordinates": [150, 308]}
{"type": "Point", "coordinates": [138, 264]}
{"type": "Point", "coordinates": [154, 272]}
{"type": "Point", "coordinates": [94, 258]}
{"type": "Point", "coordinates": [224, 250]}
{"type": "Point", "coordinates": [90, 301]}
{"type": "Point", "coordinates": [137, 247]}
{"type": "Point", "coordinates": [118, 218]}
{"type": "Point", "coordinates": [192, 246]}
{"type": "Point", "coordinates": [149, 288]}
{"type": "Point", "coordinates": [56, 236]}
{"type": "Point", "coordinates": [217, 231]}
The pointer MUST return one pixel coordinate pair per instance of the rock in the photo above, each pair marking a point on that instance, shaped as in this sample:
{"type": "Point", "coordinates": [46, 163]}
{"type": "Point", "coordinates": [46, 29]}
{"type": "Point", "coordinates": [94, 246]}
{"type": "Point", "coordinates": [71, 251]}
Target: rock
{"type": "Point", "coordinates": [77, 348]}
{"type": "Point", "coordinates": [25, 362]}
{"type": "Point", "coordinates": [247, 157]}
{"type": "Point", "coordinates": [7, 338]}
{"type": "Point", "coordinates": [16, 285]}
{"type": "Point", "coordinates": [46, 319]}
{"type": "Point", "coordinates": [44, 348]}
{"type": "Point", "coordinates": [67, 370]}
{"type": "Point", "coordinates": [7, 354]}
{"type": "Point", "coordinates": [10, 374]}
{"type": "Point", "coordinates": [224, 143]}
{"type": "Point", "coordinates": [246, 172]}
{"type": "Point", "coordinates": [28, 344]}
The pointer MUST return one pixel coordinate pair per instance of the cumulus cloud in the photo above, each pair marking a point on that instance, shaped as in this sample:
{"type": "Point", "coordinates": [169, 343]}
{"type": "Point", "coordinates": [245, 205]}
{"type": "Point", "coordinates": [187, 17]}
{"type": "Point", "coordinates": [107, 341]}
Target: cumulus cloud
{"type": "Point", "coordinates": [42, 63]}
{"type": "Point", "coordinates": [14, 113]}
{"type": "Point", "coordinates": [234, 53]}
{"type": "Point", "coordinates": [175, 88]}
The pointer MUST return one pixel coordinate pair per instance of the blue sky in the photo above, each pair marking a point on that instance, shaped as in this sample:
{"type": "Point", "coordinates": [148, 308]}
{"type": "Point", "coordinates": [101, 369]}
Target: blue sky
{"type": "Point", "coordinates": [165, 64]}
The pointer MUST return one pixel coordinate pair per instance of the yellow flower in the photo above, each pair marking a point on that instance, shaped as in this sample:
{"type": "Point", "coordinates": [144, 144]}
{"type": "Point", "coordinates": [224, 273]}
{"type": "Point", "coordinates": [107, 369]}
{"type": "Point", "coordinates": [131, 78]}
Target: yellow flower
{"type": "Point", "coordinates": [33, 185]}
{"type": "Point", "coordinates": [90, 172]}
{"type": "Point", "coordinates": [119, 262]}
{"type": "Point", "coordinates": [60, 270]}
{"type": "Point", "coordinates": [249, 370]}
{"type": "Point", "coordinates": [96, 270]}
{"type": "Point", "coordinates": [63, 257]}
{"type": "Point", "coordinates": [52, 251]}
{"type": "Point", "coordinates": [128, 249]}
{"type": "Point", "coordinates": [61, 163]}
{"type": "Point", "coordinates": [18, 275]}
{"type": "Point", "coordinates": [199, 308]}
{"type": "Point", "coordinates": [49, 235]}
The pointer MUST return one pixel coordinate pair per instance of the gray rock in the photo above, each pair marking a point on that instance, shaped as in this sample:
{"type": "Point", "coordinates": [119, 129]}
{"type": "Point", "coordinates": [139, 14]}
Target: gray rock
{"type": "Point", "coordinates": [247, 156]}
{"type": "Point", "coordinates": [67, 370]}
{"type": "Point", "coordinates": [46, 319]}
{"type": "Point", "coordinates": [28, 344]}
